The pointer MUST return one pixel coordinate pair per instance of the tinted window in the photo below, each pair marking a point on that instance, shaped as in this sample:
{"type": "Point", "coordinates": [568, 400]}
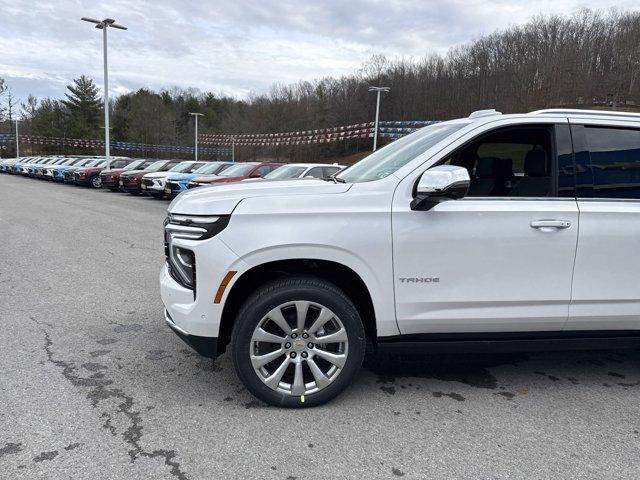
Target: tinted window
{"type": "Point", "coordinates": [615, 161]}
{"type": "Point", "coordinates": [509, 162]}
{"type": "Point", "coordinates": [315, 172]}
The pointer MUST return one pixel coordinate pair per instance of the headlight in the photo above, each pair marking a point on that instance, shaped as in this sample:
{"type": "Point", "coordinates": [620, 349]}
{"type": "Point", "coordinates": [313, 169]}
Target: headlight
{"type": "Point", "coordinates": [182, 261]}
{"type": "Point", "coordinates": [182, 264]}
{"type": "Point", "coordinates": [195, 227]}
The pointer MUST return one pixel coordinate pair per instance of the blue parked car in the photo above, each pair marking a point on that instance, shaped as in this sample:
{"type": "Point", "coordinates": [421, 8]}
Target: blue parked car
{"type": "Point", "coordinates": [49, 170]}
{"type": "Point", "coordinates": [22, 168]}
{"type": "Point", "coordinates": [6, 166]}
{"type": "Point", "coordinates": [57, 172]}
{"type": "Point", "coordinates": [178, 183]}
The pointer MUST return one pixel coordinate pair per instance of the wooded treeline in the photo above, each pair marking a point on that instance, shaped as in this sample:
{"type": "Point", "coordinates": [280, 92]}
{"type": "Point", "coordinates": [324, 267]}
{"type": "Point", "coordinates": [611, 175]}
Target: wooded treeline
{"type": "Point", "coordinates": [589, 59]}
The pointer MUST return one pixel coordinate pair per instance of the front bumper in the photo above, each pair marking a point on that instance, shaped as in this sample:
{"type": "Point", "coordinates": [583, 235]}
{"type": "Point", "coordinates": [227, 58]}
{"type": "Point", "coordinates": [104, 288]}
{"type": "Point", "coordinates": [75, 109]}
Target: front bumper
{"type": "Point", "coordinates": [109, 182]}
{"type": "Point", "coordinates": [81, 180]}
{"type": "Point", "coordinates": [205, 346]}
{"type": "Point", "coordinates": [153, 188]}
{"type": "Point", "coordinates": [198, 315]}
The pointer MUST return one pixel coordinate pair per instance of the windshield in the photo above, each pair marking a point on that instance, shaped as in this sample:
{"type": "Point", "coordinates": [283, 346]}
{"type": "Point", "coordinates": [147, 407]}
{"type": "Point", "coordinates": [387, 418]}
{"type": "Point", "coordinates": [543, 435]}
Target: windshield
{"type": "Point", "coordinates": [69, 161]}
{"type": "Point", "coordinates": [156, 166]}
{"type": "Point", "coordinates": [134, 165]}
{"type": "Point", "coordinates": [239, 170]}
{"type": "Point", "coordinates": [390, 158]}
{"type": "Point", "coordinates": [209, 168]}
{"type": "Point", "coordinates": [288, 171]}
{"type": "Point", "coordinates": [186, 167]}
{"type": "Point", "coordinates": [93, 162]}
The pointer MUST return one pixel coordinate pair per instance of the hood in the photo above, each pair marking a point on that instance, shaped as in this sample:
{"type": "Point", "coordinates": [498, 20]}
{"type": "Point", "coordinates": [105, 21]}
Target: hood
{"type": "Point", "coordinates": [218, 179]}
{"type": "Point", "coordinates": [158, 175]}
{"type": "Point", "coordinates": [181, 177]}
{"type": "Point", "coordinates": [113, 170]}
{"type": "Point", "coordinates": [222, 199]}
{"type": "Point", "coordinates": [131, 173]}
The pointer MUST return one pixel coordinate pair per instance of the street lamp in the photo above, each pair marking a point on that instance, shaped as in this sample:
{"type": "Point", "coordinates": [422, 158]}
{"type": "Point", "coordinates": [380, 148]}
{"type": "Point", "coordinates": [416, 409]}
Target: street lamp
{"type": "Point", "coordinates": [103, 25]}
{"type": "Point", "coordinates": [375, 133]}
{"type": "Point", "coordinates": [17, 140]}
{"type": "Point", "coordinates": [196, 115]}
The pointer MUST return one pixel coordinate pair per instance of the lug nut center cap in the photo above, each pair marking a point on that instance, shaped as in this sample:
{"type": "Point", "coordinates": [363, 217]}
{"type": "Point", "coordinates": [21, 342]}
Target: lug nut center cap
{"type": "Point", "coordinates": [299, 345]}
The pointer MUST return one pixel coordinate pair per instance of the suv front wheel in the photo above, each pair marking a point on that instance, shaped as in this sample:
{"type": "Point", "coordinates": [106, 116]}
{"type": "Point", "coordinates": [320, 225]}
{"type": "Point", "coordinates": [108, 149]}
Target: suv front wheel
{"type": "Point", "coordinates": [298, 342]}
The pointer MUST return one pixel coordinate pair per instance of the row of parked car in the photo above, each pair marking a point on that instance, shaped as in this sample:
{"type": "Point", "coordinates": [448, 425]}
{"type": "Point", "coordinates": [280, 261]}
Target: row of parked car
{"type": "Point", "coordinates": [155, 177]}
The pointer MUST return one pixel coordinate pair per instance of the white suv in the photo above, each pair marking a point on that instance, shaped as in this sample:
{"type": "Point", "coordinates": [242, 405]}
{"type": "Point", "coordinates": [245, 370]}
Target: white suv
{"type": "Point", "coordinates": [493, 231]}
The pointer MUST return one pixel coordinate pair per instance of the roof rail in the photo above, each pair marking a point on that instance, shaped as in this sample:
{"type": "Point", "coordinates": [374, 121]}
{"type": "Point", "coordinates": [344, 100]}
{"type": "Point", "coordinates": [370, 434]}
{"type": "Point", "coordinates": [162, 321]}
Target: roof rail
{"type": "Point", "coordinates": [484, 113]}
{"type": "Point", "coordinates": [578, 111]}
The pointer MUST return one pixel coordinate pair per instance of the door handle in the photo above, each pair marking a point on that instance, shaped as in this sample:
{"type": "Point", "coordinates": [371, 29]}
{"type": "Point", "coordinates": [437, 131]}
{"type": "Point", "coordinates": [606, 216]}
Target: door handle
{"type": "Point", "coordinates": [550, 225]}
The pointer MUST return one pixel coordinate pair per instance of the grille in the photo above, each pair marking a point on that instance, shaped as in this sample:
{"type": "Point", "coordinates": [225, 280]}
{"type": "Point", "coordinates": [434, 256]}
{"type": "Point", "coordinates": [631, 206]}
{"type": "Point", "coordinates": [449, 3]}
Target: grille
{"type": "Point", "coordinates": [147, 182]}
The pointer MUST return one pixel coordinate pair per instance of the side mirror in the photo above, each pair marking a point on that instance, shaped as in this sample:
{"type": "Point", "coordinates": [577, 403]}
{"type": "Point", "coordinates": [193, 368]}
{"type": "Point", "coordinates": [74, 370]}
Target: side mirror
{"type": "Point", "coordinates": [438, 184]}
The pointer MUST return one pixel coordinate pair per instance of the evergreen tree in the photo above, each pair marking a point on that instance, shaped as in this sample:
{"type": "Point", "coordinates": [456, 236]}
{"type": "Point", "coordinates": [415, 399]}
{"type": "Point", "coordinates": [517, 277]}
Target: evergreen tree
{"type": "Point", "coordinates": [84, 108]}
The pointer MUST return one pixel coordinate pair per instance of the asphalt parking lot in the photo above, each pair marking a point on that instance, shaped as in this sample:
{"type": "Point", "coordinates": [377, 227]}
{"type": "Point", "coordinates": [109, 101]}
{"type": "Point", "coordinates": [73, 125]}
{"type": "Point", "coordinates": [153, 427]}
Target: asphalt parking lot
{"type": "Point", "coordinates": [93, 385]}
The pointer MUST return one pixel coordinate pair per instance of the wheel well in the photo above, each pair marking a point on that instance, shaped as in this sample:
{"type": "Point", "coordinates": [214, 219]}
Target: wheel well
{"type": "Point", "coordinates": [341, 276]}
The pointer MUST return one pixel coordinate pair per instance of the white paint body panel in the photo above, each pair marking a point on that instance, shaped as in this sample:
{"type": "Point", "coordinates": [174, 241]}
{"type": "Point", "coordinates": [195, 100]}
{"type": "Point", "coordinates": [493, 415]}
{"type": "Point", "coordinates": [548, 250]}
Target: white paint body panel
{"type": "Point", "coordinates": [497, 273]}
{"type": "Point", "coordinates": [606, 290]}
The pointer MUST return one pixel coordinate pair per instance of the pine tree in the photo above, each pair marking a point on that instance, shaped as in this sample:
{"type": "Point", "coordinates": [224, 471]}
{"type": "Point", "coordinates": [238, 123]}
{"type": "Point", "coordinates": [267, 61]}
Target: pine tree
{"type": "Point", "coordinates": [84, 108]}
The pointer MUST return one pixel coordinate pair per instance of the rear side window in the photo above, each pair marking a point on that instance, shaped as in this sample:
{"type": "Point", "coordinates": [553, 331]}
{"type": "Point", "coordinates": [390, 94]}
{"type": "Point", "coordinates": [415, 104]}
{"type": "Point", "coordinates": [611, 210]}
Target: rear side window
{"type": "Point", "coordinates": [315, 172]}
{"type": "Point", "coordinates": [615, 161]}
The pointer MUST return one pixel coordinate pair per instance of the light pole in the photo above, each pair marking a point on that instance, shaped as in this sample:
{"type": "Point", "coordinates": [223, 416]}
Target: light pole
{"type": "Point", "coordinates": [375, 133]}
{"type": "Point", "coordinates": [233, 149]}
{"type": "Point", "coordinates": [18, 140]}
{"type": "Point", "coordinates": [104, 25]}
{"type": "Point", "coordinates": [196, 115]}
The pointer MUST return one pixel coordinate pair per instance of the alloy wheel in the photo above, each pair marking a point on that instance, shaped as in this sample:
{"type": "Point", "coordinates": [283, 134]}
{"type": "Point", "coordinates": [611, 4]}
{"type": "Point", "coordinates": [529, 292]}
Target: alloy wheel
{"type": "Point", "coordinates": [299, 348]}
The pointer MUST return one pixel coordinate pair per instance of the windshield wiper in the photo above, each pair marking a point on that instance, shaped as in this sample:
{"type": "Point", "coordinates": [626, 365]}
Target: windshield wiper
{"type": "Point", "coordinates": [333, 179]}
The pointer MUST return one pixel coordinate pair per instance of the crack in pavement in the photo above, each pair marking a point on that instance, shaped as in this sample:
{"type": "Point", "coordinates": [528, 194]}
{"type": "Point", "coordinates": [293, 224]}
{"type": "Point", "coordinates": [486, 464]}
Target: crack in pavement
{"type": "Point", "coordinates": [100, 390]}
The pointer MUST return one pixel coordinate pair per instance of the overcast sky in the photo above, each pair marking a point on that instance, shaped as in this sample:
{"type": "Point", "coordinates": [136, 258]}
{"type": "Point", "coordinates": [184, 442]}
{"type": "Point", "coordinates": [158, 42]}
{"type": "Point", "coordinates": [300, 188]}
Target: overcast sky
{"type": "Point", "coordinates": [237, 47]}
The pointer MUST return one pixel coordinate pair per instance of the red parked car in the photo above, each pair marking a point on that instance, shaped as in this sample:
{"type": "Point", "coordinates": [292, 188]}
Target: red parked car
{"type": "Point", "coordinates": [111, 178]}
{"type": "Point", "coordinates": [91, 175]}
{"type": "Point", "coordinates": [131, 181]}
{"type": "Point", "coordinates": [236, 173]}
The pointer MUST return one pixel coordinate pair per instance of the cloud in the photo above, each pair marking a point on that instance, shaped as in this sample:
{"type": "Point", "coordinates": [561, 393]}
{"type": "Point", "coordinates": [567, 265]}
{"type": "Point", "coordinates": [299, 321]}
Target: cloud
{"type": "Point", "coordinates": [239, 47]}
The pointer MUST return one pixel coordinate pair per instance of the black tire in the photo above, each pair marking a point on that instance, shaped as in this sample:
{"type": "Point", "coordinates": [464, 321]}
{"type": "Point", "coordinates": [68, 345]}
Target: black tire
{"type": "Point", "coordinates": [157, 195]}
{"type": "Point", "coordinates": [95, 182]}
{"type": "Point", "coordinates": [270, 296]}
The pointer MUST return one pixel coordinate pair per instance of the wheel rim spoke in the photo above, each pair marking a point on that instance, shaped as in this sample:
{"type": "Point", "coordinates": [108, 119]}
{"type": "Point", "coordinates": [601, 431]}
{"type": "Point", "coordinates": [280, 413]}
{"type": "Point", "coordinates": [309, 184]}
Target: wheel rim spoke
{"type": "Point", "coordinates": [298, 387]}
{"type": "Point", "coordinates": [337, 359]}
{"type": "Point", "coordinates": [261, 335]}
{"type": "Point", "coordinates": [283, 370]}
{"type": "Point", "coordinates": [335, 337]}
{"type": "Point", "coordinates": [261, 360]}
{"type": "Point", "coordinates": [323, 317]}
{"type": "Point", "coordinates": [301, 310]}
{"type": "Point", "coordinates": [320, 378]}
{"type": "Point", "coordinates": [276, 316]}
{"type": "Point", "coordinates": [273, 380]}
